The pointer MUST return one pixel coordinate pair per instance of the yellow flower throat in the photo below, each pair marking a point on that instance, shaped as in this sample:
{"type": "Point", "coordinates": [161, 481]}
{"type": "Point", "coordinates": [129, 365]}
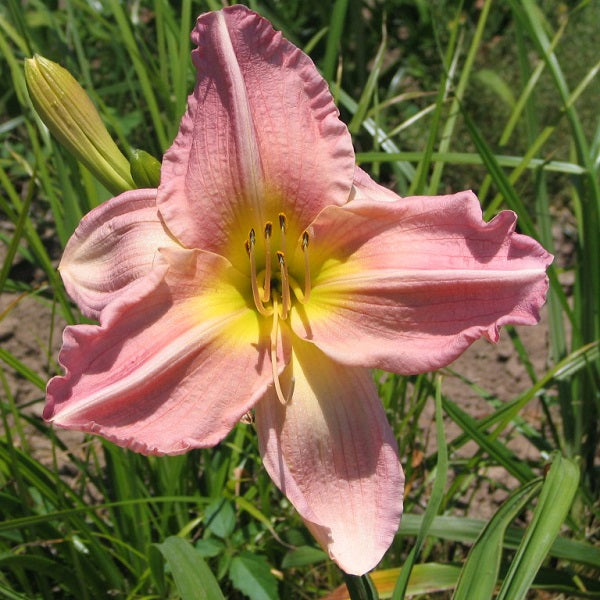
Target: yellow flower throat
{"type": "Point", "coordinates": [271, 288]}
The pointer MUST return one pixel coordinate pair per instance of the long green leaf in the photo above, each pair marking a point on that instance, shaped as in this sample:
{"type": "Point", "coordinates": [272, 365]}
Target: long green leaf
{"type": "Point", "coordinates": [251, 574]}
{"type": "Point", "coordinates": [22, 369]}
{"type": "Point", "coordinates": [480, 572]}
{"type": "Point", "coordinates": [437, 494]}
{"type": "Point", "coordinates": [141, 69]}
{"type": "Point", "coordinates": [555, 500]}
{"type": "Point", "coordinates": [498, 451]}
{"type": "Point", "coordinates": [425, 578]}
{"type": "Point", "coordinates": [469, 158]}
{"type": "Point", "coordinates": [461, 86]}
{"type": "Point", "coordinates": [468, 529]}
{"type": "Point", "coordinates": [60, 515]}
{"type": "Point", "coordinates": [9, 594]}
{"type": "Point", "coordinates": [404, 168]}
{"type": "Point", "coordinates": [365, 98]}
{"type": "Point", "coordinates": [192, 576]}
{"type": "Point", "coordinates": [336, 29]}
{"type": "Point", "coordinates": [428, 578]}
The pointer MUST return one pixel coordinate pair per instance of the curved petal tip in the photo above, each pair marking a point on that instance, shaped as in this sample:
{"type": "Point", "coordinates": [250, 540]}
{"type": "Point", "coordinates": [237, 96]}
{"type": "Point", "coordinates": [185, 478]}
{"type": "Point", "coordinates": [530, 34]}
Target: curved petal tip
{"type": "Point", "coordinates": [331, 451]}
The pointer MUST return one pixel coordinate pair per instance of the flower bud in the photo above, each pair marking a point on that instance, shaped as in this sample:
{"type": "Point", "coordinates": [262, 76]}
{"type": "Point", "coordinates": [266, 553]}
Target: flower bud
{"type": "Point", "coordinates": [145, 169]}
{"type": "Point", "coordinates": [66, 109]}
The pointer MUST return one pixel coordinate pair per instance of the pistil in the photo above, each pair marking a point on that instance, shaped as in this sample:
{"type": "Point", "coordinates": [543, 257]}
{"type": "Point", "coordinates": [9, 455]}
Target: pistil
{"type": "Point", "coordinates": [274, 334]}
{"type": "Point", "coordinates": [267, 284]}
{"type": "Point", "coordinates": [250, 249]}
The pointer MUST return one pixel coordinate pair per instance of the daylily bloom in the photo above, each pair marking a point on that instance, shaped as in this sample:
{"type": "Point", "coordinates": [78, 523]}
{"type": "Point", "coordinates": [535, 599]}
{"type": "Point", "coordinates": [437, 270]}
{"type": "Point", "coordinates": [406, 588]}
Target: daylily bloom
{"type": "Point", "coordinates": [268, 272]}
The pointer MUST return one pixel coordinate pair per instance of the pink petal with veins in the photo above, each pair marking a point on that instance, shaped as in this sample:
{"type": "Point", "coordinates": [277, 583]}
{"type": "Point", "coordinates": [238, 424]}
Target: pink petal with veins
{"type": "Point", "coordinates": [408, 285]}
{"type": "Point", "coordinates": [331, 451]}
{"type": "Point", "coordinates": [113, 246]}
{"type": "Point", "coordinates": [366, 189]}
{"type": "Point", "coordinates": [173, 366]}
{"type": "Point", "coordinates": [261, 135]}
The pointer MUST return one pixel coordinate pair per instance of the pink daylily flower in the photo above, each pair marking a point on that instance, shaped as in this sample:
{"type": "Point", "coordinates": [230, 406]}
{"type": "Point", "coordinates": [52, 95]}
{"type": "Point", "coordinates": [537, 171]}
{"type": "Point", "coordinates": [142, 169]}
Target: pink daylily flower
{"type": "Point", "coordinates": [268, 272]}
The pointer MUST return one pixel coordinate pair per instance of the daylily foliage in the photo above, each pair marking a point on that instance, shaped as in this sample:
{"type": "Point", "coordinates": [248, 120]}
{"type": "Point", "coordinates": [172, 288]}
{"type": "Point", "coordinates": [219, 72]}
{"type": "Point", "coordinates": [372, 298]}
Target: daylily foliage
{"type": "Point", "coordinates": [268, 272]}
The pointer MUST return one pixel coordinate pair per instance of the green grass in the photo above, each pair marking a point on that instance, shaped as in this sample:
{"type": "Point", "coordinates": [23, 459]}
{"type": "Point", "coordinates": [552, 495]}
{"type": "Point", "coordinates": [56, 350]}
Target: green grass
{"type": "Point", "coordinates": [499, 97]}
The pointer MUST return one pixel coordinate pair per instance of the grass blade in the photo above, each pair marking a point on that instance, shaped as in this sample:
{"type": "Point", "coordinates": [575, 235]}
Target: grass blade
{"type": "Point", "coordinates": [555, 500]}
{"type": "Point", "coordinates": [437, 495]}
{"type": "Point", "coordinates": [480, 572]}
{"type": "Point", "coordinates": [141, 71]}
{"type": "Point", "coordinates": [365, 98]}
{"type": "Point", "coordinates": [458, 96]}
{"type": "Point", "coordinates": [468, 529]}
{"type": "Point", "coordinates": [336, 29]}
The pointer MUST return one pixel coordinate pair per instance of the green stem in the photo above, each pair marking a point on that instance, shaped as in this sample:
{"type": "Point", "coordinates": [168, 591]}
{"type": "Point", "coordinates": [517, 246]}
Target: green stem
{"type": "Point", "coordinates": [360, 587]}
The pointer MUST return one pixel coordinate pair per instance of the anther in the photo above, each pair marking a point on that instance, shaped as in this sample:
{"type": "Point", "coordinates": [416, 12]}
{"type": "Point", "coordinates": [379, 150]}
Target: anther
{"type": "Point", "coordinates": [248, 418]}
{"type": "Point", "coordinates": [250, 245]}
{"type": "Point", "coordinates": [267, 283]}
{"type": "Point", "coordinates": [307, 283]}
{"type": "Point", "coordinates": [282, 229]}
{"type": "Point", "coordinates": [286, 302]}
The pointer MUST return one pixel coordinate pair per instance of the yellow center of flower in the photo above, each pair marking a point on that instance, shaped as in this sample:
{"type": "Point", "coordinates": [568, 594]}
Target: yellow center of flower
{"type": "Point", "coordinates": [274, 284]}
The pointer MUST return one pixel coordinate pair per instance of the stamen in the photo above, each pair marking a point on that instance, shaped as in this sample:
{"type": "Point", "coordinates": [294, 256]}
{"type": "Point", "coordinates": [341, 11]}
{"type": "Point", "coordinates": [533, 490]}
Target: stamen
{"type": "Point", "coordinates": [274, 330]}
{"type": "Point", "coordinates": [283, 229]}
{"type": "Point", "coordinates": [286, 302]}
{"type": "Point", "coordinates": [267, 284]}
{"type": "Point", "coordinates": [250, 244]}
{"type": "Point", "coordinates": [307, 283]}
{"type": "Point", "coordinates": [248, 418]}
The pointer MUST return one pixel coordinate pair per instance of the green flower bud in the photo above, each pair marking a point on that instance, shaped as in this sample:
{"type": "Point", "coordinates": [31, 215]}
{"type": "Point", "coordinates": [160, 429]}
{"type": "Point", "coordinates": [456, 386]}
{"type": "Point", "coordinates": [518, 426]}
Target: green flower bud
{"type": "Point", "coordinates": [145, 169]}
{"type": "Point", "coordinates": [66, 109]}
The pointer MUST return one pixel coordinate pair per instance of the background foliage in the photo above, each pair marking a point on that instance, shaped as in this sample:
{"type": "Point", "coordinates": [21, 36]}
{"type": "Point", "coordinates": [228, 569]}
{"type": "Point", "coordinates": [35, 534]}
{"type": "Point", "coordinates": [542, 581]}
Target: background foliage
{"type": "Point", "coordinates": [501, 97]}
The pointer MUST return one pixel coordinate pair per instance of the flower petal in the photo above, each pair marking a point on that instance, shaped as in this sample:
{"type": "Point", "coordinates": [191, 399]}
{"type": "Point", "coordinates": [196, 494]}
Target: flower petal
{"type": "Point", "coordinates": [366, 189]}
{"type": "Point", "coordinates": [331, 451]}
{"type": "Point", "coordinates": [113, 246]}
{"type": "Point", "coordinates": [173, 365]}
{"type": "Point", "coordinates": [406, 286]}
{"type": "Point", "coordinates": [261, 136]}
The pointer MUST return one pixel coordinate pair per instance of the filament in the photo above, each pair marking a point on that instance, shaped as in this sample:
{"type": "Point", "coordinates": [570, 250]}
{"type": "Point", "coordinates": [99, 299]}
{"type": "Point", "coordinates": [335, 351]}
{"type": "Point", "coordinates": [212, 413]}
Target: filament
{"type": "Point", "coordinates": [274, 331]}
{"type": "Point", "coordinates": [267, 284]}
{"type": "Point", "coordinates": [286, 302]}
{"type": "Point", "coordinates": [250, 245]}
{"type": "Point", "coordinates": [263, 289]}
